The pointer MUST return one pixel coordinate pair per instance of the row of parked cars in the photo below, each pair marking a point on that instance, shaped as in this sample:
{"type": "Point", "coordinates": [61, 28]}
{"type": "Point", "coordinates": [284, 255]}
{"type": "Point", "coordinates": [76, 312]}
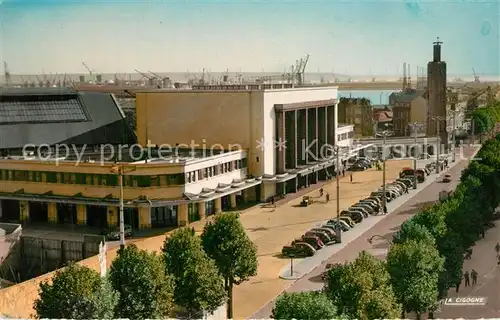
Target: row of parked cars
{"type": "Point", "coordinates": [360, 163]}
{"type": "Point", "coordinates": [317, 238]}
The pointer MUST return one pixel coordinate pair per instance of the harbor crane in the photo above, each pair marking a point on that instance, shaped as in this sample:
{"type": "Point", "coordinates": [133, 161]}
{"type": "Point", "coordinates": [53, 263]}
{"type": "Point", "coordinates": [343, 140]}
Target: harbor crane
{"type": "Point", "coordinates": [160, 79]}
{"type": "Point", "coordinates": [147, 76]}
{"type": "Point", "coordinates": [476, 77]}
{"type": "Point", "coordinates": [87, 67]}
{"type": "Point", "coordinates": [298, 70]}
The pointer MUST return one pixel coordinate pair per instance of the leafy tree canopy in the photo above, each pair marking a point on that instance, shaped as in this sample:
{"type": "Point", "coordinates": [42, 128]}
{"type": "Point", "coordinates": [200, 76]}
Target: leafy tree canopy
{"type": "Point", "coordinates": [198, 284]}
{"type": "Point", "coordinates": [303, 305]}
{"type": "Point", "coordinates": [226, 241]}
{"type": "Point", "coordinates": [146, 291]}
{"type": "Point", "coordinates": [411, 230]}
{"type": "Point", "coordinates": [415, 268]}
{"type": "Point", "coordinates": [362, 289]}
{"type": "Point", "coordinates": [76, 292]}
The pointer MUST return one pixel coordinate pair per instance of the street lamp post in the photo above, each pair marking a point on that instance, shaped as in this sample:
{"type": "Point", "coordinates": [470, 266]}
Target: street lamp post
{"type": "Point", "coordinates": [384, 135]}
{"type": "Point", "coordinates": [291, 265]}
{"type": "Point", "coordinates": [339, 230]}
{"type": "Point", "coordinates": [438, 119]}
{"type": "Point", "coordinates": [119, 170]}
{"type": "Point", "coordinates": [415, 126]}
{"type": "Point", "coordinates": [453, 133]}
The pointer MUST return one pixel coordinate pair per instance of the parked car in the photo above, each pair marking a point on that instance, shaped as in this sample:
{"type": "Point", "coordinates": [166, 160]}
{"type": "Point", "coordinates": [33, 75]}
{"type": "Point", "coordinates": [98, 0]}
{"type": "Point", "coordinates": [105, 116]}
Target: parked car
{"type": "Point", "coordinates": [356, 216]}
{"type": "Point", "coordinates": [329, 232]}
{"type": "Point", "coordinates": [334, 227]}
{"type": "Point", "coordinates": [320, 234]}
{"type": "Point", "coordinates": [406, 181]}
{"type": "Point", "coordinates": [314, 241]}
{"type": "Point", "coordinates": [373, 203]}
{"type": "Point", "coordinates": [381, 195]}
{"type": "Point", "coordinates": [447, 178]}
{"type": "Point", "coordinates": [369, 206]}
{"type": "Point", "coordinates": [365, 211]}
{"type": "Point", "coordinates": [114, 233]}
{"type": "Point", "coordinates": [343, 225]}
{"type": "Point", "coordinates": [348, 221]}
{"type": "Point", "coordinates": [298, 250]}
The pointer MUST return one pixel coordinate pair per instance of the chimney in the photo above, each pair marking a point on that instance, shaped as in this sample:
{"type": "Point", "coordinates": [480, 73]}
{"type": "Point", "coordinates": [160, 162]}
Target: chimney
{"type": "Point", "coordinates": [409, 77]}
{"type": "Point", "coordinates": [404, 76]}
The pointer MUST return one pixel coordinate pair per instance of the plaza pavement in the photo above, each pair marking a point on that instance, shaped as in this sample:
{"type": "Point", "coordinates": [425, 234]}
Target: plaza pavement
{"type": "Point", "coordinates": [271, 229]}
{"type": "Point", "coordinates": [358, 242]}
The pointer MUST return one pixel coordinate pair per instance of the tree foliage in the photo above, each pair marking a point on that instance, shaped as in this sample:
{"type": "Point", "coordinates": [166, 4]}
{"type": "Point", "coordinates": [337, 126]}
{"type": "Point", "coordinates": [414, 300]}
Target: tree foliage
{"type": "Point", "coordinates": [76, 292]}
{"type": "Point", "coordinates": [308, 305]}
{"type": "Point", "coordinates": [485, 119]}
{"type": "Point", "coordinates": [235, 255]}
{"type": "Point", "coordinates": [198, 284]}
{"type": "Point", "coordinates": [361, 289]}
{"type": "Point", "coordinates": [410, 230]}
{"type": "Point", "coordinates": [146, 291]}
{"type": "Point", "coordinates": [415, 268]}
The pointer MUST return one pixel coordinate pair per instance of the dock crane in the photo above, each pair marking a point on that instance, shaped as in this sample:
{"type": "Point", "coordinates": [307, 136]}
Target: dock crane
{"type": "Point", "coordinates": [476, 77]}
{"type": "Point", "coordinates": [6, 74]}
{"type": "Point", "coordinates": [299, 68]}
{"type": "Point", "coordinates": [147, 76]}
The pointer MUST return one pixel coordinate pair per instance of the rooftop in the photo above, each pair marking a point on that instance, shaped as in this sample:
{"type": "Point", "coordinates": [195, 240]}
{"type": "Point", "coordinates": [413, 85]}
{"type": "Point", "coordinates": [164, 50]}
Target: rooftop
{"type": "Point", "coordinates": [241, 88]}
{"type": "Point", "coordinates": [107, 154]}
{"type": "Point", "coordinates": [60, 116]}
{"type": "Point", "coordinates": [406, 96]}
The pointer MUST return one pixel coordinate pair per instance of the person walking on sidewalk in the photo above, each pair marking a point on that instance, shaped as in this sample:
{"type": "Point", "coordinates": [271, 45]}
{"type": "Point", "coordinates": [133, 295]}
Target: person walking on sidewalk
{"type": "Point", "coordinates": [327, 197]}
{"type": "Point", "coordinates": [473, 274]}
{"type": "Point", "coordinates": [321, 192]}
{"type": "Point", "coordinates": [457, 285]}
{"type": "Point", "coordinates": [466, 278]}
{"type": "Point", "coordinates": [497, 248]}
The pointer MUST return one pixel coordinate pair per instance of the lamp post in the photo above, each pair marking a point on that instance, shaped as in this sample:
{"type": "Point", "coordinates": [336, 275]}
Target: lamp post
{"type": "Point", "coordinates": [454, 114]}
{"type": "Point", "coordinates": [384, 134]}
{"type": "Point", "coordinates": [438, 119]}
{"type": "Point", "coordinates": [120, 170]}
{"type": "Point", "coordinates": [337, 156]}
{"type": "Point", "coordinates": [415, 126]}
{"type": "Point", "coordinates": [291, 264]}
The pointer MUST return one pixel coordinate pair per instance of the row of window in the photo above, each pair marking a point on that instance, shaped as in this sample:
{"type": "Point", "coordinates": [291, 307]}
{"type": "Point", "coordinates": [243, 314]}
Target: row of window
{"type": "Point", "coordinates": [92, 179]}
{"type": "Point", "coordinates": [209, 172]}
{"type": "Point", "coordinates": [345, 136]}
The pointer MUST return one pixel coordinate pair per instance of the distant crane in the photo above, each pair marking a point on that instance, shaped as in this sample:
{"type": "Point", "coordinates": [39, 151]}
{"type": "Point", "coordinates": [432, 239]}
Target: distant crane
{"type": "Point", "coordinates": [476, 77]}
{"type": "Point", "coordinates": [160, 79]}
{"type": "Point", "coordinates": [6, 74]}
{"type": "Point", "coordinates": [87, 67]}
{"type": "Point", "coordinates": [147, 76]}
{"type": "Point", "coordinates": [298, 70]}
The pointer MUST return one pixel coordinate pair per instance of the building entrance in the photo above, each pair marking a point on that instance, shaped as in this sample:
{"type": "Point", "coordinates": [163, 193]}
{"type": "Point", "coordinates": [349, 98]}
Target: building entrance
{"type": "Point", "coordinates": [97, 216]}
{"type": "Point", "coordinates": [10, 211]}
{"type": "Point", "coordinates": [39, 211]}
{"type": "Point", "coordinates": [66, 213]}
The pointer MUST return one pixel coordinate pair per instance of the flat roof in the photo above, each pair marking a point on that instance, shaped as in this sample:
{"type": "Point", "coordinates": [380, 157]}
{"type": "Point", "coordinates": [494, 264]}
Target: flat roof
{"type": "Point", "coordinates": [134, 155]}
{"type": "Point", "coordinates": [237, 88]}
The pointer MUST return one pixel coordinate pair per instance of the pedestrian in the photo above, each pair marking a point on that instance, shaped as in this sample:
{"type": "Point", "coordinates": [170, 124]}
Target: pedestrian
{"type": "Point", "coordinates": [466, 278]}
{"type": "Point", "coordinates": [385, 209]}
{"type": "Point", "coordinates": [351, 177]}
{"type": "Point", "coordinates": [343, 173]}
{"type": "Point", "coordinates": [473, 274]}
{"type": "Point", "coordinates": [327, 197]}
{"type": "Point", "coordinates": [272, 202]}
{"type": "Point", "coordinates": [497, 248]}
{"type": "Point", "coordinates": [321, 192]}
{"type": "Point", "coordinates": [457, 286]}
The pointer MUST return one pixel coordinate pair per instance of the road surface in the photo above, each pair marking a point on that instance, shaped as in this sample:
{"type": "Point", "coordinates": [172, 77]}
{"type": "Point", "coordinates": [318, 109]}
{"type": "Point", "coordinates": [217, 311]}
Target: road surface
{"type": "Point", "coordinates": [386, 228]}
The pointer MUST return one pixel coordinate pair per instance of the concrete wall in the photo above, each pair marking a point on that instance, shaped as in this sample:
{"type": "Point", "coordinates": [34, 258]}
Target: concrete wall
{"type": "Point", "coordinates": [285, 96]}
{"type": "Point", "coordinates": [418, 112]}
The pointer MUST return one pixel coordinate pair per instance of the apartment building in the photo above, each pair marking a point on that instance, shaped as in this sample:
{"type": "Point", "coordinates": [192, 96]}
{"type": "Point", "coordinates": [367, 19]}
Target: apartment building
{"type": "Point", "coordinates": [357, 112]}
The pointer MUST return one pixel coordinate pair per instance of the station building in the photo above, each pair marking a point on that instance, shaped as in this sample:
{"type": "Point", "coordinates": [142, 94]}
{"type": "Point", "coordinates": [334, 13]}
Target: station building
{"type": "Point", "coordinates": [203, 151]}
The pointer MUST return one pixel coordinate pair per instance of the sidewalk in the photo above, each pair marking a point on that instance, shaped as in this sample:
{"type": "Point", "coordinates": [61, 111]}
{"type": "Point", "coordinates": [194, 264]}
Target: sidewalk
{"type": "Point", "coordinates": [306, 265]}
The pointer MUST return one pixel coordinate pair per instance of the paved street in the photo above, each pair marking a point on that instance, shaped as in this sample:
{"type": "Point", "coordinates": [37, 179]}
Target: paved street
{"type": "Point", "coordinates": [386, 228]}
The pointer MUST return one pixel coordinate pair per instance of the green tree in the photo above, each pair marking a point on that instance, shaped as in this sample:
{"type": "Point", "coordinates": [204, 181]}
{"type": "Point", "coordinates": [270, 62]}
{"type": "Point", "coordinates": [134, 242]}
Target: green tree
{"type": "Point", "coordinates": [449, 247]}
{"type": "Point", "coordinates": [310, 305]}
{"type": "Point", "coordinates": [146, 291]}
{"type": "Point", "coordinates": [226, 241]}
{"type": "Point", "coordinates": [410, 230]}
{"type": "Point", "coordinates": [362, 290]}
{"type": "Point", "coordinates": [76, 292]}
{"type": "Point", "coordinates": [415, 269]}
{"type": "Point", "coordinates": [198, 284]}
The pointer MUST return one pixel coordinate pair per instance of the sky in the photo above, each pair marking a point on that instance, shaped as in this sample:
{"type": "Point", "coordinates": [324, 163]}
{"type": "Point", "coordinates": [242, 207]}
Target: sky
{"type": "Point", "coordinates": [345, 37]}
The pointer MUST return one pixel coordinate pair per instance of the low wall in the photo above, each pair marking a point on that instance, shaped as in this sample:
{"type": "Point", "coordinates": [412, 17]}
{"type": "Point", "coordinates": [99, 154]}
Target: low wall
{"type": "Point", "coordinates": [17, 301]}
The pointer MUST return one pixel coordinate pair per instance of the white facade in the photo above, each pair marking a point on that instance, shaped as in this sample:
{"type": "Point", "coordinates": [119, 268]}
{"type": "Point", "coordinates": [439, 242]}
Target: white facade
{"type": "Point", "coordinates": [227, 178]}
{"type": "Point", "coordinates": [345, 135]}
{"type": "Point", "coordinates": [286, 96]}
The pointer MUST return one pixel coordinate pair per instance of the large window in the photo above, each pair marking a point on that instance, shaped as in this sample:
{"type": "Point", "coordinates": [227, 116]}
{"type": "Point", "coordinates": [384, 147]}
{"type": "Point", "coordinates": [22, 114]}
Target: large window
{"type": "Point", "coordinates": [193, 212]}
